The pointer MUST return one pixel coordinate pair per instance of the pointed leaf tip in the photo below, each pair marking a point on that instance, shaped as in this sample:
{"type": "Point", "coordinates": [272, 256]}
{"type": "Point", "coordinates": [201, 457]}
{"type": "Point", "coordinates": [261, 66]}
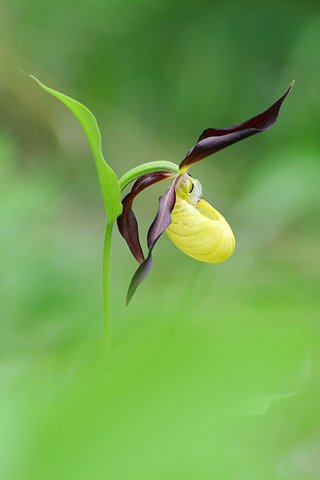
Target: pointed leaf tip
{"type": "Point", "coordinates": [109, 183]}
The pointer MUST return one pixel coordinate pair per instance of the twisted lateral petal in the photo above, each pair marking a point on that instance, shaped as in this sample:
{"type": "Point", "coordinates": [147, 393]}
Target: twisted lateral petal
{"type": "Point", "coordinates": [159, 225]}
{"type": "Point", "coordinates": [127, 222]}
{"type": "Point", "coordinates": [201, 232]}
{"type": "Point", "coordinates": [212, 140]}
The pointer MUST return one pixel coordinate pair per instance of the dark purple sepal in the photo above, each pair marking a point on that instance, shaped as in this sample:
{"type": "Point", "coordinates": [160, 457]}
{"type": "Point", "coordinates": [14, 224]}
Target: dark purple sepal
{"type": "Point", "coordinates": [214, 139]}
{"type": "Point", "coordinates": [159, 225]}
{"type": "Point", "coordinates": [127, 222]}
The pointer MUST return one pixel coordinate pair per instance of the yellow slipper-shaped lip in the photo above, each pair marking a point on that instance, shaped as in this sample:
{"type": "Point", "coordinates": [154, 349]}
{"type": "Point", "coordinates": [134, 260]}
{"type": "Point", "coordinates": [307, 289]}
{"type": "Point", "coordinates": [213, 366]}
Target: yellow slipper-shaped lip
{"type": "Point", "coordinates": [201, 232]}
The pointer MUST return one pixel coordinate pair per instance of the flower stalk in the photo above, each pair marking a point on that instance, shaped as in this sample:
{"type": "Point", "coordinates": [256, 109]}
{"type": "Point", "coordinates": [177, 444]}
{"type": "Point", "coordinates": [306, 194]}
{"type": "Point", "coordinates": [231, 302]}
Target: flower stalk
{"type": "Point", "coordinates": [106, 292]}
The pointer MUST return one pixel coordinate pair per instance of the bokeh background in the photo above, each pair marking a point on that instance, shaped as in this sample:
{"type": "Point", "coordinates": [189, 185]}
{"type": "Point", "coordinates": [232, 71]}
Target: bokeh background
{"type": "Point", "coordinates": [214, 369]}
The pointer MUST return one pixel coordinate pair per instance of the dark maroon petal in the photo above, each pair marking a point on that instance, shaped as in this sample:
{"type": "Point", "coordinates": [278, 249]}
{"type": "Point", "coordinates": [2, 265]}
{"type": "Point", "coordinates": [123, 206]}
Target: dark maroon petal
{"type": "Point", "coordinates": [159, 225]}
{"type": "Point", "coordinates": [127, 222]}
{"type": "Point", "coordinates": [142, 272]}
{"type": "Point", "coordinates": [214, 139]}
{"type": "Point", "coordinates": [163, 217]}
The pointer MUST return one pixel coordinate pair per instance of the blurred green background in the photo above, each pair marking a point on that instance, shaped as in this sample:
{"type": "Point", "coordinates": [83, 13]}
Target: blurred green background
{"type": "Point", "coordinates": [215, 368]}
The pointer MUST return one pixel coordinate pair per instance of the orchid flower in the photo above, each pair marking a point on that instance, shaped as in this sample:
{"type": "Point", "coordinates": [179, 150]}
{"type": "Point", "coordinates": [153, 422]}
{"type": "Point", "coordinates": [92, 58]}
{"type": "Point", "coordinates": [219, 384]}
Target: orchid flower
{"type": "Point", "coordinates": [193, 225]}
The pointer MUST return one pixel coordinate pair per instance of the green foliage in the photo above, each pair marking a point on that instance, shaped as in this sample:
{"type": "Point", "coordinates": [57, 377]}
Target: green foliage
{"type": "Point", "coordinates": [134, 173]}
{"type": "Point", "coordinates": [108, 180]}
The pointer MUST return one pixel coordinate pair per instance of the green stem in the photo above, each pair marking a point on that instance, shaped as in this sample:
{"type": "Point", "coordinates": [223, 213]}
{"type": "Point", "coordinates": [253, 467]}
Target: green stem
{"type": "Point", "coordinates": [146, 168]}
{"type": "Point", "coordinates": [106, 293]}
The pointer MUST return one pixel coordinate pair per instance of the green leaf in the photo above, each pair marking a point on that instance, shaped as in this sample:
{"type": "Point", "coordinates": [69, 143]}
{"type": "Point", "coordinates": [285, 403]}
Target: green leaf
{"type": "Point", "coordinates": [144, 168]}
{"type": "Point", "coordinates": [109, 183]}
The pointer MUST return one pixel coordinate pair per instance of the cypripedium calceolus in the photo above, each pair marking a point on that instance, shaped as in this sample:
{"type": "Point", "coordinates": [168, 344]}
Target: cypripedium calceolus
{"type": "Point", "coordinates": [193, 225]}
